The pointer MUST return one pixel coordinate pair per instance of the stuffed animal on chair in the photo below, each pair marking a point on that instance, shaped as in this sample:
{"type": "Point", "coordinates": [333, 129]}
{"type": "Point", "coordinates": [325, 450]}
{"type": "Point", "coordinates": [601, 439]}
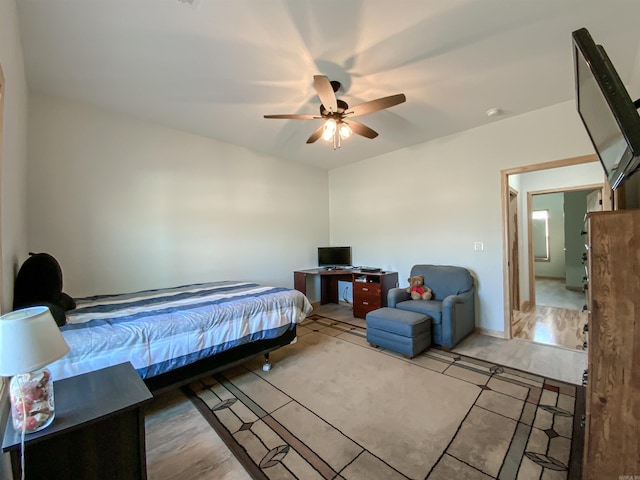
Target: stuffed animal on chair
{"type": "Point", "coordinates": [417, 288]}
{"type": "Point", "coordinates": [39, 282]}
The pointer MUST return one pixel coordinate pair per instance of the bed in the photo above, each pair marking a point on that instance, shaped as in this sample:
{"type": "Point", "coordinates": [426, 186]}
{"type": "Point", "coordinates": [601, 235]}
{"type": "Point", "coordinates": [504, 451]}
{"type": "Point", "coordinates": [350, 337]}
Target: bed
{"type": "Point", "coordinates": [174, 335]}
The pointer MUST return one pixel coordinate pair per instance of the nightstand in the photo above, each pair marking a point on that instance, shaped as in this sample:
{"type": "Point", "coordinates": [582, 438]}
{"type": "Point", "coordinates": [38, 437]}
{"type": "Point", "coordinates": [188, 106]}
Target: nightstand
{"type": "Point", "coordinates": [97, 433]}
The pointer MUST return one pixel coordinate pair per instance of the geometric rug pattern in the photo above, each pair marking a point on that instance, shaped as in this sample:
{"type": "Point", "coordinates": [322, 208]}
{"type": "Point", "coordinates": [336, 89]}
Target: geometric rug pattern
{"type": "Point", "coordinates": [334, 407]}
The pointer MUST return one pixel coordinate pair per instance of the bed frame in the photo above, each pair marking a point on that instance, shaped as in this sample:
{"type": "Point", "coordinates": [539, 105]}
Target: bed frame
{"type": "Point", "coordinates": [208, 366]}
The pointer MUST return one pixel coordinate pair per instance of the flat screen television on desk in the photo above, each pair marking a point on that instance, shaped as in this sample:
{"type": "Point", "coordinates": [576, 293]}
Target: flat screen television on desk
{"type": "Point", "coordinates": [332, 257]}
{"type": "Point", "coordinates": [607, 112]}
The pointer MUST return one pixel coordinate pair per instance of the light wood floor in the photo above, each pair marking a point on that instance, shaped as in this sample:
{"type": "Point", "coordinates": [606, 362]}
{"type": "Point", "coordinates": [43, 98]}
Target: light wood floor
{"type": "Point", "coordinates": [559, 327]}
{"type": "Point", "coordinates": [181, 445]}
{"type": "Point", "coordinates": [557, 319]}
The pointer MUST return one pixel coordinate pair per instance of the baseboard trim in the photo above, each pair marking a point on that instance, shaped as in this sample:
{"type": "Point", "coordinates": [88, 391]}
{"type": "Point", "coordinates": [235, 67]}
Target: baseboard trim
{"type": "Point", "coordinates": [490, 333]}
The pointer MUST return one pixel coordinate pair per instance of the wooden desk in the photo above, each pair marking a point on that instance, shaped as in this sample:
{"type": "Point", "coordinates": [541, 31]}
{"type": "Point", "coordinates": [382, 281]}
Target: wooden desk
{"type": "Point", "coordinates": [328, 282]}
{"type": "Point", "coordinates": [369, 289]}
{"type": "Point", "coordinates": [97, 433]}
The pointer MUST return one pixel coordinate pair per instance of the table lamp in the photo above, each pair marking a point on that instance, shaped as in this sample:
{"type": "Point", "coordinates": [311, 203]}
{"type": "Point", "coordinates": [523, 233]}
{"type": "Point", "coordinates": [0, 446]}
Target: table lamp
{"type": "Point", "coordinates": [29, 340]}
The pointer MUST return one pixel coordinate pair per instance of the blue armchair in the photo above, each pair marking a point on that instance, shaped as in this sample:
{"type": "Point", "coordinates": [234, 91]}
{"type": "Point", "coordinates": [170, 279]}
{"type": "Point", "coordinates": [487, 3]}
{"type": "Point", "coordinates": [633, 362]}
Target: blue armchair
{"type": "Point", "coordinates": [452, 306]}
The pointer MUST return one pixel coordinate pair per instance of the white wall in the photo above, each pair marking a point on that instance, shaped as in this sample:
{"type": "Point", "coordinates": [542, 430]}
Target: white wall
{"type": "Point", "coordinates": [633, 86]}
{"type": "Point", "coordinates": [14, 152]}
{"type": "Point", "coordinates": [575, 208]}
{"type": "Point", "coordinates": [429, 203]}
{"type": "Point", "coordinates": [125, 204]}
{"type": "Point", "coordinates": [13, 168]}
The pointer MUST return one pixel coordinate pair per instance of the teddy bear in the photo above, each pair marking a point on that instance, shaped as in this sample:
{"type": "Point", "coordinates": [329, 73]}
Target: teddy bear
{"type": "Point", "coordinates": [417, 288]}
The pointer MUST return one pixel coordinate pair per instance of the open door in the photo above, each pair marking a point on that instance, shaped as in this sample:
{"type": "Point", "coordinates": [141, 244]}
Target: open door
{"type": "Point", "coordinates": [514, 260]}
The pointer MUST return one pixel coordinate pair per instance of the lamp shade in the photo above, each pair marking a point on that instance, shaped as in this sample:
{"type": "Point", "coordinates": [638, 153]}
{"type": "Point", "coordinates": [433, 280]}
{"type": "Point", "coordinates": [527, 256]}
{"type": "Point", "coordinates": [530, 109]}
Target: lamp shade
{"type": "Point", "coordinates": [29, 340]}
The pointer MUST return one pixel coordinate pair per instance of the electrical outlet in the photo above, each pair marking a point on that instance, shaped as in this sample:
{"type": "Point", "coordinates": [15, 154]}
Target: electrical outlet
{"type": "Point", "coordinates": [478, 246]}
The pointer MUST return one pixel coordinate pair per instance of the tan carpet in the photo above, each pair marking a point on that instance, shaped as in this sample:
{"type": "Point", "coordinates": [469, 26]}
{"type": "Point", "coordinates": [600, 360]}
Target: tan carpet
{"type": "Point", "coordinates": [334, 407]}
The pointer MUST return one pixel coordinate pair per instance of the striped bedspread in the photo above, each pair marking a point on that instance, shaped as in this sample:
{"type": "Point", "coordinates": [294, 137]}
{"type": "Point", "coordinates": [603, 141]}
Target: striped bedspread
{"type": "Point", "coordinates": [160, 330]}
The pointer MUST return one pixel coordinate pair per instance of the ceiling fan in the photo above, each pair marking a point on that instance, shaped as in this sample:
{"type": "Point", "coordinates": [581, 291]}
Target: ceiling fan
{"type": "Point", "coordinates": [338, 115]}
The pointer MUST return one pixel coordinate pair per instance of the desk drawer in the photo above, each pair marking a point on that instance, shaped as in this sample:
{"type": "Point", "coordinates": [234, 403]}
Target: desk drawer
{"type": "Point", "coordinates": [362, 288]}
{"type": "Point", "coordinates": [360, 310]}
{"type": "Point", "coordinates": [364, 302]}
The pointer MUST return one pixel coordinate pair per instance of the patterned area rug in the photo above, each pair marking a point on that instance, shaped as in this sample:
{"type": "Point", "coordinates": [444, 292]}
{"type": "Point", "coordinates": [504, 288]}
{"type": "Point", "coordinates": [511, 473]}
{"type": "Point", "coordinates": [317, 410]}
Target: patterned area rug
{"type": "Point", "coordinates": [333, 407]}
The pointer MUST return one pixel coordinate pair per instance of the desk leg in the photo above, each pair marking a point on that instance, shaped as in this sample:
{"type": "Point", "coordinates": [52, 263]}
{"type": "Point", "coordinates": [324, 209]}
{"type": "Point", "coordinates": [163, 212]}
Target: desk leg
{"type": "Point", "coordinates": [300, 282]}
{"type": "Point", "coordinates": [329, 289]}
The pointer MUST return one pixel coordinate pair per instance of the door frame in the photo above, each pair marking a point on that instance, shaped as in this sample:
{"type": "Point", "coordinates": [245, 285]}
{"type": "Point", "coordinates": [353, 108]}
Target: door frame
{"type": "Point", "coordinates": [2, 90]}
{"type": "Point", "coordinates": [504, 200]}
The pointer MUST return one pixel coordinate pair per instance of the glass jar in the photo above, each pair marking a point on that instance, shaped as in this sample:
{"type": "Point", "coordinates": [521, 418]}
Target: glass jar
{"type": "Point", "coordinates": [32, 405]}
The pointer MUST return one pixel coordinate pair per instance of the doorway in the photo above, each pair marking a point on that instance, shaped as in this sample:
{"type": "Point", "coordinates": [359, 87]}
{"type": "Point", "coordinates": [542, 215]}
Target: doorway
{"type": "Point", "coordinates": [576, 174]}
{"type": "Point", "coordinates": [556, 243]}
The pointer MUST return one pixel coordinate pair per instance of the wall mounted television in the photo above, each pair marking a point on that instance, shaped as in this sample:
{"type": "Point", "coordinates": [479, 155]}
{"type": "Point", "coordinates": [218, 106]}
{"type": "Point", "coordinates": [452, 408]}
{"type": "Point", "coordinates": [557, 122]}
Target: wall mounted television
{"type": "Point", "coordinates": [606, 109]}
{"type": "Point", "coordinates": [334, 256]}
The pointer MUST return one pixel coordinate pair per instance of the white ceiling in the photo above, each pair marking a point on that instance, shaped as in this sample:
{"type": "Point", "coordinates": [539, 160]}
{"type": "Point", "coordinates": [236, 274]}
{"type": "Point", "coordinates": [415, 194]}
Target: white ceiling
{"type": "Point", "coordinates": [215, 67]}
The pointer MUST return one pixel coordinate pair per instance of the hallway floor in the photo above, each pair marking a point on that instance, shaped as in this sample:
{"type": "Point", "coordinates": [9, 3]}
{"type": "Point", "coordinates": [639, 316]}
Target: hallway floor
{"type": "Point", "coordinates": [552, 292]}
{"type": "Point", "coordinates": [557, 319]}
{"type": "Point", "coordinates": [558, 327]}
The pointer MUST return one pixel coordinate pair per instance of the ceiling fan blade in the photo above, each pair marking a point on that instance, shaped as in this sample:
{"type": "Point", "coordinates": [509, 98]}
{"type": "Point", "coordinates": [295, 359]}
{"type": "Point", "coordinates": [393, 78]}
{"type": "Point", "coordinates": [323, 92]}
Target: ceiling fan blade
{"type": "Point", "coordinates": [361, 129]}
{"type": "Point", "coordinates": [294, 116]}
{"type": "Point", "coordinates": [325, 92]}
{"type": "Point", "coordinates": [315, 135]}
{"type": "Point", "coordinates": [375, 105]}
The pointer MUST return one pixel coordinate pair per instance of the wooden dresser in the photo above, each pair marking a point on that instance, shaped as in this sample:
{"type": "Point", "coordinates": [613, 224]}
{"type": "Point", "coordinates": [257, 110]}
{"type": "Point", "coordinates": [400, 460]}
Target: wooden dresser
{"type": "Point", "coordinates": [612, 435]}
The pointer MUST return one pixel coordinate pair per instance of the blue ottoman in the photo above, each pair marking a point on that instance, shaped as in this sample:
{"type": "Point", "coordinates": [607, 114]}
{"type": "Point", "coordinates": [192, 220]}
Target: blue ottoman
{"type": "Point", "coordinates": [402, 331]}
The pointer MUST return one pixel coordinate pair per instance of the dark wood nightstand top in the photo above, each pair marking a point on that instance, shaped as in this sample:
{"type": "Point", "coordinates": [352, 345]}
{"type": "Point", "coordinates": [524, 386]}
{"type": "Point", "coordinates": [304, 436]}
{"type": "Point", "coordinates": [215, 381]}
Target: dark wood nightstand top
{"type": "Point", "coordinates": [87, 398]}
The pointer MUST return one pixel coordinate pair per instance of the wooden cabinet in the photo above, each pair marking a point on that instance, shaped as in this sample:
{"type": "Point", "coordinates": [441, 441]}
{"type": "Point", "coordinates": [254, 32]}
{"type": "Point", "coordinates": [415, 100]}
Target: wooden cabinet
{"type": "Point", "coordinates": [612, 427]}
{"type": "Point", "coordinates": [370, 291]}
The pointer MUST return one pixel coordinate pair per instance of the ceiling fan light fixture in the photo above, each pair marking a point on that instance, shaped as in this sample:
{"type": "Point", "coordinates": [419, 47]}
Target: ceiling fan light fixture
{"type": "Point", "coordinates": [329, 130]}
{"type": "Point", "coordinates": [335, 113]}
{"type": "Point", "coordinates": [345, 131]}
